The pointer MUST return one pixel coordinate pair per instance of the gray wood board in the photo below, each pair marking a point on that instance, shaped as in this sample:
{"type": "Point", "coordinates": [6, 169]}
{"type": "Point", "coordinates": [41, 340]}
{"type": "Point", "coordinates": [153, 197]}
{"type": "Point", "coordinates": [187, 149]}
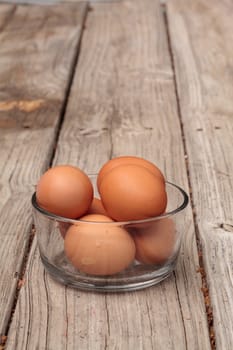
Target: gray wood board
{"type": "Point", "coordinates": [122, 101]}
{"type": "Point", "coordinates": [201, 37]}
{"type": "Point", "coordinates": [34, 77]}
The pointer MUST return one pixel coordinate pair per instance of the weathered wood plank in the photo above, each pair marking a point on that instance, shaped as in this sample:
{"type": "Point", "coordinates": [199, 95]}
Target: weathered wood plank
{"type": "Point", "coordinates": [51, 2]}
{"type": "Point", "coordinates": [201, 37]}
{"type": "Point", "coordinates": [5, 14]}
{"type": "Point", "coordinates": [32, 88]}
{"type": "Point", "coordinates": [122, 101]}
{"type": "Point", "coordinates": [34, 76]}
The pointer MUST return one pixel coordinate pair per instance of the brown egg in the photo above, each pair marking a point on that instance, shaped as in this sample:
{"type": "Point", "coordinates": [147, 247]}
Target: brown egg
{"type": "Point", "coordinates": [64, 226]}
{"type": "Point", "coordinates": [97, 207]}
{"type": "Point", "coordinates": [155, 244]}
{"type": "Point", "coordinates": [126, 160]}
{"type": "Point", "coordinates": [132, 192]}
{"type": "Point", "coordinates": [65, 191]}
{"type": "Point", "coordinates": [99, 249]}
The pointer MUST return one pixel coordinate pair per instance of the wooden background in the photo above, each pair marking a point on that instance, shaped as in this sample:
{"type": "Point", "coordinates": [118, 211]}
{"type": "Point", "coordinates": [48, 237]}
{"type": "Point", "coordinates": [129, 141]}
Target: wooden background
{"type": "Point", "coordinates": [80, 84]}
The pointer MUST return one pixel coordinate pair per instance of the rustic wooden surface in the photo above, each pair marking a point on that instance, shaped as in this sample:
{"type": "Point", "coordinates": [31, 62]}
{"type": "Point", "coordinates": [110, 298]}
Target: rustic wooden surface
{"type": "Point", "coordinates": [204, 66]}
{"type": "Point", "coordinates": [52, 2]}
{"type": "Point", "coordinates": [146, 82]}
{"type": "Point", "coordinates": [34, 77]}
{"type": "Point", "coordinates": [122, 97]}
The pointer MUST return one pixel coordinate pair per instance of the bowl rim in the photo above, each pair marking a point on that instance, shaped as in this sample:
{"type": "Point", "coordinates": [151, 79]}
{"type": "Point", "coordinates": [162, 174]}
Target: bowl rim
{"type": "Point", "coordinates": [49, 215]}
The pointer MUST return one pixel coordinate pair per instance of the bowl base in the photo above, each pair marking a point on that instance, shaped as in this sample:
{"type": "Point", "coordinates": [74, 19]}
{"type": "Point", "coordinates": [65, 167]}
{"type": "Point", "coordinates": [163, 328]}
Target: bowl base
{"type": "Point", "coordinates": [85, 283]}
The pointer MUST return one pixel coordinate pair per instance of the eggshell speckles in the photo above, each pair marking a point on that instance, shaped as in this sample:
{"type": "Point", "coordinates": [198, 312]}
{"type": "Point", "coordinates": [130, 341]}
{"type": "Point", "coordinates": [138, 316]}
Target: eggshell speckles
{"type": "Point", "coordinates": [126, 160]}
{"type": "Point", "coordinates": [155, 244]}
{"type": "Point", "coordinates": [99, 249]}
{"type": "Point", "coordinates": [132, 192]}
{"type": "Point", "coordinates": [65, 191]}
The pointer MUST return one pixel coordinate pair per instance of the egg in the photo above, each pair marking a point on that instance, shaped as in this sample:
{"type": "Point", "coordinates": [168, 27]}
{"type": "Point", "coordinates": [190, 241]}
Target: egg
{"type": "Point", "coordinates": [65, 190]}
{"type": "Point", "coordinates": [101, 248]}
{"type": "Point", "coordinates": [132, 192]}
{"type": "Point", "coordinates": [96, 207]}
{"type": "Point", "coordinates": [155, 244]}
{"type": "Point", "coordinates": [126, 160]}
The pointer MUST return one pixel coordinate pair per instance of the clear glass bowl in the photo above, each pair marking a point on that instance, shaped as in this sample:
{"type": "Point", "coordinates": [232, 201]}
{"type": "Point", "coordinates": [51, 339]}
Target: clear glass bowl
{"type": "Point", "coordinates": [157, 241]}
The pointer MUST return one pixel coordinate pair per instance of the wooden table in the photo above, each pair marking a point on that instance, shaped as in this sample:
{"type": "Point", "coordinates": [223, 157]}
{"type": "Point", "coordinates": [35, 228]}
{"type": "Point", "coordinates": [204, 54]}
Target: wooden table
{"type": "Point", "coordinates": [80, 84]}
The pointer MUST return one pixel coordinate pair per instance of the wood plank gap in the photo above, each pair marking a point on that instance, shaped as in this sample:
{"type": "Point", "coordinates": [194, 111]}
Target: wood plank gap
{"type": "Point", "coordinates": [20, 283]}
{"type": "Point", "coordinates": [182, 316]}
{"type": "Point", "coordinates": [67, 317]}
{"type": "Point", "coordinates": [205, 288]}
{"type": "Point", "coordinates": [74, 65]}
{"type": "Point", "coordinates": [47, 306]}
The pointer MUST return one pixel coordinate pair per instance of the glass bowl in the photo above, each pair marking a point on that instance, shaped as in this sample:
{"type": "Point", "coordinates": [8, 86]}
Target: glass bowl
{"type": "Point", "coordinates": [157, 241]}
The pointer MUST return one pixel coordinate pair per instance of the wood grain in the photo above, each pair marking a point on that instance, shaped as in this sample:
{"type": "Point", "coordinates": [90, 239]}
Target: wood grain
{"type": "Point", "coordinates": [204, 65]}
{"type": "Point", "coordinates": [34, 76]}
{"type": "Point", "coordinates": [52, 2]}
{"type": "Point", "coordinates": [122, 101]}
{"type": "Point", "coordinates": [5, 14]}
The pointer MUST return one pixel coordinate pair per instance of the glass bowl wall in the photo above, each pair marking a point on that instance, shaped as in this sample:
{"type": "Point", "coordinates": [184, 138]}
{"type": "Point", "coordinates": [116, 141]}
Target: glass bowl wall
{"type": "Point", "coordinates": [51, 230]}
